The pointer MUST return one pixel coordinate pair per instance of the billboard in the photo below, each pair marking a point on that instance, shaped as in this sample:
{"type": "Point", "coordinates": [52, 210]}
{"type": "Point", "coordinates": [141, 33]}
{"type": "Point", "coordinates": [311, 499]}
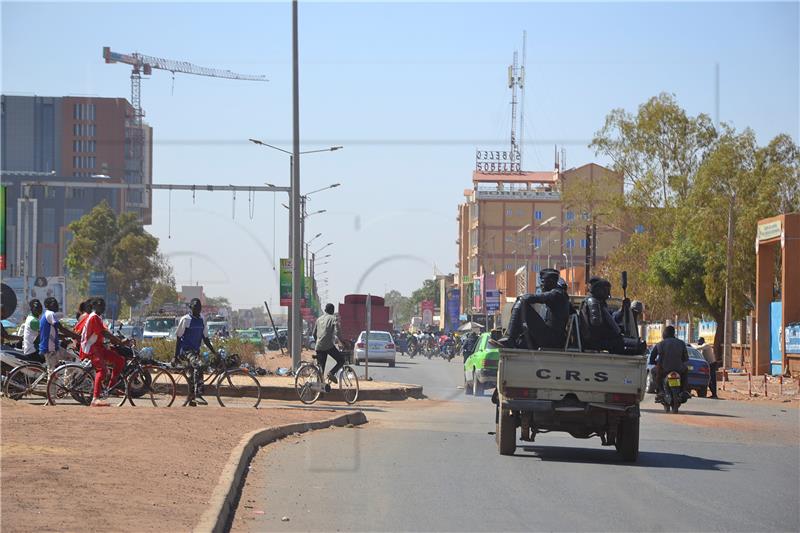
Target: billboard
{"type": "Point", "coordinates": [286, 283]}
{"type": "Point", "coordinates": [39, 288]}
{"type": "Point", "coordinates": [427, 306]}
{"type": "Point", "coordinates": [453, 306]}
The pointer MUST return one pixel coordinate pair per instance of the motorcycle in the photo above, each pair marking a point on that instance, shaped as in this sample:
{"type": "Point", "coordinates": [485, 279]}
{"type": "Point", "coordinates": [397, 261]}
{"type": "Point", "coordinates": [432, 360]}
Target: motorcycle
{"type": "Point", "coordinates": [673, 395]}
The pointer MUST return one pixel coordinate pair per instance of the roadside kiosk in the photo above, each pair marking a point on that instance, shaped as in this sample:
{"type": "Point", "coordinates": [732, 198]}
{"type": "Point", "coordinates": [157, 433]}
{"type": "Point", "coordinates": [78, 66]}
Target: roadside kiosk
{"type": "Point", "coordinates": [776, 310]}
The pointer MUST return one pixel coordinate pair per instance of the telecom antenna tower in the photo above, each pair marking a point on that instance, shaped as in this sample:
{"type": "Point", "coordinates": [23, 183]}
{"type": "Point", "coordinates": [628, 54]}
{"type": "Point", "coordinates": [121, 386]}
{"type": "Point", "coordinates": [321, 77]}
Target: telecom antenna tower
{"type": "Point", "coordinates": [516, 80]}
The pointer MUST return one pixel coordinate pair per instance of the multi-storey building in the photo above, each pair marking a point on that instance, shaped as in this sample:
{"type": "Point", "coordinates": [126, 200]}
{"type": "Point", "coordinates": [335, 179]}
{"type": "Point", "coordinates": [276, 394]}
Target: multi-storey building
{"type": "Point", "coordinates": [66, 140]}
{"type": "Point", "coordinates": [533, 220]}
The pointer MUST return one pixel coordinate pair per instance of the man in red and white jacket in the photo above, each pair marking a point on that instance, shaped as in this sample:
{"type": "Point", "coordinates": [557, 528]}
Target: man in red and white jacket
{"type": "Point", "coordinates": [92, 336]}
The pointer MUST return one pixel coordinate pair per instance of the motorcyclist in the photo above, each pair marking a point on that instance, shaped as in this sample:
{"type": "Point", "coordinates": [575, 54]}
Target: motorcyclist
{"type": "Point", "coordinates": [601, 331]}
{"type": "Point", "coordinates": [549, 332]}
{"type": "Point", "coordinates": [670, 355]}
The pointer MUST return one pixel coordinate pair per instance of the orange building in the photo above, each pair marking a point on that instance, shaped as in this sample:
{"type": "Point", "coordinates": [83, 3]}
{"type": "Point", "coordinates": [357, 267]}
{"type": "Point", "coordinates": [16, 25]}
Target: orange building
{"type": "Point", "coordinates": [511, 220]}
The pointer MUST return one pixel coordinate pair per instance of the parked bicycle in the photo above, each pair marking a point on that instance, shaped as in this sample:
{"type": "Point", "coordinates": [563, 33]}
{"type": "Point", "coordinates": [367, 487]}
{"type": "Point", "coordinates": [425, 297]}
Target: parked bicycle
{"type": "Point", "coordinates": [309, 383]}
{"type": "Point", "coordinates": [225, 378]}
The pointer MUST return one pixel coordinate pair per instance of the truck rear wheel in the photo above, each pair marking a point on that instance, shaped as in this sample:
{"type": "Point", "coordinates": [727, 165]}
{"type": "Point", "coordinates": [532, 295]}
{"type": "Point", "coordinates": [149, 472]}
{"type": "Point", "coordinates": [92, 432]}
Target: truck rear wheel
{"type": "Point", "coordinates": [506, 433]}
{"type": "Point", "coordinates": [628, 439]}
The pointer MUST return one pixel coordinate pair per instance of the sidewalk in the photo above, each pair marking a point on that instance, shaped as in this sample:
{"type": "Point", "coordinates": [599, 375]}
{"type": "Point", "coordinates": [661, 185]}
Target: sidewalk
{"type": "Point", "coordinates": [120, 469]}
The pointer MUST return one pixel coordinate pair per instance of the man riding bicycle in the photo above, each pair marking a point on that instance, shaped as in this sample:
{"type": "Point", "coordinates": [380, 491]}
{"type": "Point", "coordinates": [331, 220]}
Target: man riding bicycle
{"type": "Point", "coordinates": [192, 329]}
{"type": "Point", "coordinates": [326, 331]}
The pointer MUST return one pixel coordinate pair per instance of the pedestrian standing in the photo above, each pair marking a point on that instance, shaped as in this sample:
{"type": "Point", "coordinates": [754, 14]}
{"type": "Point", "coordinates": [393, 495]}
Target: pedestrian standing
{"type": "Point", "coordinates": [707, 350]}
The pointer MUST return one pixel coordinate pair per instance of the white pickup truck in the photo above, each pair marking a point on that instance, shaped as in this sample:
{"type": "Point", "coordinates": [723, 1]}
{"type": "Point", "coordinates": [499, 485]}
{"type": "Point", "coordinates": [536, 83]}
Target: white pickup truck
{"type": "Point", "coordinates": [585, 394]}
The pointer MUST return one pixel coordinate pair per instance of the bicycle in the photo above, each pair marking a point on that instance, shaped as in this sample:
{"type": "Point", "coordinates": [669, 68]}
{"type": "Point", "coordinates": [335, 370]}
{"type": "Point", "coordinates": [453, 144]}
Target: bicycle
{"type": "Point", "coordinates": [309, 384]}
{"type": "Point", "coordinates": [27, 383]}
{"type": "Point", "coordinates": [237, 385]}
{"type": "Point", "coordinates": [137, 381]}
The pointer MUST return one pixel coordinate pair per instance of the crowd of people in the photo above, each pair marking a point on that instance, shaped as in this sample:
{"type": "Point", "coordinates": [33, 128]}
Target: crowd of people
{"type": "Point", "coordinates": [44, 339]}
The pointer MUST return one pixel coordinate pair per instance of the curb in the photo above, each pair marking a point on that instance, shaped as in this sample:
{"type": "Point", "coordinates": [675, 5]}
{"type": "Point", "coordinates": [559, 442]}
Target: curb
{"type": "Point", "coordinates": [269, 392]}
{"type": "Point", "coordinates": [222, 503]}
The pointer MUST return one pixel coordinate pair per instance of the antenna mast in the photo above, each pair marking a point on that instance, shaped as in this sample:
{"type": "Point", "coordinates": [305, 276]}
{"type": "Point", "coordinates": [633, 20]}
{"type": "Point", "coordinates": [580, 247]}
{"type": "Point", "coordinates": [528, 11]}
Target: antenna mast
{"type": "Point", "coordinates": [521, 82]}
{"type": "Point", "coordinates": [512, 84]}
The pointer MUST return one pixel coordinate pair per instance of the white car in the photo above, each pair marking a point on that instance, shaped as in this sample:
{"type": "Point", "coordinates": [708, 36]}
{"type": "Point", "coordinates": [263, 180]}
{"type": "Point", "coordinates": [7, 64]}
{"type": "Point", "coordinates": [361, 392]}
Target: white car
{"type": "Point", "coordinates": [381, 348]}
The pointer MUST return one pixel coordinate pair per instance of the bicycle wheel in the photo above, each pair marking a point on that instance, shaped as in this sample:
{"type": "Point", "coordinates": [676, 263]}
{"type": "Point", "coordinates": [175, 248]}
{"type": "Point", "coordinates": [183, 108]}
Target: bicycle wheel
{"type": "Point", "coordinates": [160, 390]}
{"type": "Point", "coordinates": [70, 384]}
{"type": "Point", "coordinates": [308, 383]}
{"type": "Point", "coordinates": [348, 384]}
{"type": "Point", "coordinates": [27, 384]}
{"type": "Point", "coordinates": [118, 394]}
{"type": "Point", "coordinates": [238, 388]}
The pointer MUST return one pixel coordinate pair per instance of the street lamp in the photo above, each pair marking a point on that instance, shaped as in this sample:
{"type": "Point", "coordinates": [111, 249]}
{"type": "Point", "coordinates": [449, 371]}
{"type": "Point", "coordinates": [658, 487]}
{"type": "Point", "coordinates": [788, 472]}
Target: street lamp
{"type": "Point", "coordinates": [318, 251]}
{"type": "Point", "coordinates": [520, 230]}
{"type": "Point", "coordinates": [549, 241]}
{"type": "Point", "coordinates": [296, 225]}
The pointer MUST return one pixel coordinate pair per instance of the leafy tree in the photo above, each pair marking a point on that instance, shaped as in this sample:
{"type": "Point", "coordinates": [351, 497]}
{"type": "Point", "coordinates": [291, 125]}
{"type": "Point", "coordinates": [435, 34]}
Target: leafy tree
{"type": "Point", "coordinates": [402, 307]}
{"type": "Point", "coordinates": [218, 301]}
{"type": "Point", "coordinates": [428, 291]}
{"type": "Point", "coordinates": [118, 246]}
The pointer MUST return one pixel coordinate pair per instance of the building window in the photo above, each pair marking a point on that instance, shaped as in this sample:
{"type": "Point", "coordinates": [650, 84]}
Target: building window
{"type": "Point", "coordinates": [537, 215]}
{"type": "Point", "coordinates": [509, 212]}
{"type": "Point", "coordinates": [520, 212]}
{"type": "Point", "coordinates": [509, 266]}
{"type": "Point", "coordinates": [583, 243]}
{"type": "Point", "coordinates": [570, 215]}
{"type": "Point", "coordinates": [570, 243]}
{"type": "Point", "coordinates": [92, 130]}
{"type": "Point", "coordinates": [537, 242]}
{"type": "Point", "coordinates": [509, 238]}
{"type": "Point", "coordinates": [639, 228]}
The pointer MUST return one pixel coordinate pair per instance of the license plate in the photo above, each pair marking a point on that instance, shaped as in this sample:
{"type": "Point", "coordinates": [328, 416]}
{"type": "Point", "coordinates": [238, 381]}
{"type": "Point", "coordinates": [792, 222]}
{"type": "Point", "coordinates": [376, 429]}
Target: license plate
{"type": "Point", "coordinates": [674, 382]}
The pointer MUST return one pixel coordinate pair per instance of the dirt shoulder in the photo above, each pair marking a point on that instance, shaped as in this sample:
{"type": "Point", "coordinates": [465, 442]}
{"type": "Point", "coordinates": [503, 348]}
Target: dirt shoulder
{"type": "Point", "coordinates": [119, 469]}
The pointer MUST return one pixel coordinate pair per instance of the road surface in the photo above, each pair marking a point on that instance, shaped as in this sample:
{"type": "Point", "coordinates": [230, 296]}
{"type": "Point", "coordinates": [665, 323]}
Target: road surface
{"type": "Point", "coordinates": [431, 465]}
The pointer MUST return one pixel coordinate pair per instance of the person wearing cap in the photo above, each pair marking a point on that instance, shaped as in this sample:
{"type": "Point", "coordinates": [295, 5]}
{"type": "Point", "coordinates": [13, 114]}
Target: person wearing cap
{"type": "Point", "coordinates": [601, 331]}
{"type": "Point", "coordinates": [548, 332]}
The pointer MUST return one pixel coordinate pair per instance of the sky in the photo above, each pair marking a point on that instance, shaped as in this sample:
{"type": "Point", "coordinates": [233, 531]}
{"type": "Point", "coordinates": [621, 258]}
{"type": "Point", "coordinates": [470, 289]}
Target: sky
{"type": "Point", "coordinates": [410, 90]}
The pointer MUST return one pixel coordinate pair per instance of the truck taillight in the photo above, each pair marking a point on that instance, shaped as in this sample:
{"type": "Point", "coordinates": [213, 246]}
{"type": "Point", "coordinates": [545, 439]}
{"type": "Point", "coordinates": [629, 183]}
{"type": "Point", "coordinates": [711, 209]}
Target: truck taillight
{"type": "Point", "coordinates": [360, 345]}
{"type": "Point", "coordinates": [620, 398]}
{"type": "Point", "coordinates": [516, 392]}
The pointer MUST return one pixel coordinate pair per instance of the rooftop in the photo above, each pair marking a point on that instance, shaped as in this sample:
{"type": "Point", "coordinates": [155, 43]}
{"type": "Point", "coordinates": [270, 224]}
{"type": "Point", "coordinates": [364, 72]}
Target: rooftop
{"type": "Point", "coordinates": [547, 176]}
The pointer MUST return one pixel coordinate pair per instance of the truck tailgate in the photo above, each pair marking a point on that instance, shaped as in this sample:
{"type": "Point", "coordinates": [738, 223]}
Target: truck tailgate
{"type": "Point", "coordinates": [590, 376]}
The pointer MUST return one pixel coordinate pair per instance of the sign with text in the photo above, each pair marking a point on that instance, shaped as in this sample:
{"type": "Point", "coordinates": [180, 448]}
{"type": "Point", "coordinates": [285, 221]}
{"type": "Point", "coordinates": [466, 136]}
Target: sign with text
{"type": "Point", "coordinates": [426, 308]}
{"type": "Point", "coordinates": [286, 283]}
{"type": "Point", "coordinates": [492, 301]}
{"type": "Point", "coordinates": [769, 230]}
{"type": "Point", "coordinates": [497, 162]}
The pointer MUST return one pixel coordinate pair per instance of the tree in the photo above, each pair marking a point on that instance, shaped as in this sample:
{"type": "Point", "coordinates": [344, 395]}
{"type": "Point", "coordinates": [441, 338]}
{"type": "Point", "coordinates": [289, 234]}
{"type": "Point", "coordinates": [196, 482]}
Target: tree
{"type": "Point", "coordinates": [118, 246]}
{"type": "Point", "coordinates": [218, 301]}
{"type": "Point", "coordinates": [402, 307]}
{"type": "Point", "coordinates": [428, 291]}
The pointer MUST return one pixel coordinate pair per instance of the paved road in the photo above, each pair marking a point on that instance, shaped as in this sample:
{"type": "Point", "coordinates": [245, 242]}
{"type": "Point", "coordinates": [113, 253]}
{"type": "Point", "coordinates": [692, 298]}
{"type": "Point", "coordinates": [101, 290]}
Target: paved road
{"type": "Point", "coordinates": [431, 466]}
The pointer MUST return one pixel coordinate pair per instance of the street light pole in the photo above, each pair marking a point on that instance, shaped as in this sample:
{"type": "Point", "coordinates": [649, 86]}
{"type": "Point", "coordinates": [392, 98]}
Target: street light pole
{"type": "Point", "coordinates": [295, 210]}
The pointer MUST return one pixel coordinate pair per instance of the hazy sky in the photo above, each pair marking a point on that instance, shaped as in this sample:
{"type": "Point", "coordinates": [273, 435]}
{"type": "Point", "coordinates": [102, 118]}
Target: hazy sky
{"type": "Point", "coordinates": [408, 89]}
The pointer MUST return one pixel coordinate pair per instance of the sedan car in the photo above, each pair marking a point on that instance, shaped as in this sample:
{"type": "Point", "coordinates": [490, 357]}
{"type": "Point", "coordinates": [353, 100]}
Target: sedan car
{"type": "Point", "coordinates": [480, 368]}
{"type": "Point", "coordinates": [381, 348]}
{"type": "Point", "coordinates": [699, 373]}
{"type": "Point", "coordinates": [251, 336]}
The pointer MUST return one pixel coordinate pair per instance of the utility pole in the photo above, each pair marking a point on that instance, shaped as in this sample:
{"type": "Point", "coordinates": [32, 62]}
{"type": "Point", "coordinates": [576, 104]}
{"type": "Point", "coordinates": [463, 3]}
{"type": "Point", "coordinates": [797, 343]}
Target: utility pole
{"type": "Point", "coordinates": [726, 350]}
{"type": "Point", "coordinates": [297, 250]}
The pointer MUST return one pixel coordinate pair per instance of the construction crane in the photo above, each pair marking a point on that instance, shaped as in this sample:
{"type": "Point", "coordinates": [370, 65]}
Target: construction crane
{"type": "Point", "coordinates": [143, 64]}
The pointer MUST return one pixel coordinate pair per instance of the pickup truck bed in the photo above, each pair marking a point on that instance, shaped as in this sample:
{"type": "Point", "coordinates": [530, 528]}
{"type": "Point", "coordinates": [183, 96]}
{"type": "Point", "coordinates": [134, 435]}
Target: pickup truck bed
{"type": "Point", "coordinates": [585, 394]}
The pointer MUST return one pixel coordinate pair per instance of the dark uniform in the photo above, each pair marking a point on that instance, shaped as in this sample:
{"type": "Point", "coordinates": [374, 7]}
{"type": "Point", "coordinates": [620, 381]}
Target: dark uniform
{"type": "Point", "coordinates": [549, 332]}
{"type": "Point", "coordinates": [601, 330]}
